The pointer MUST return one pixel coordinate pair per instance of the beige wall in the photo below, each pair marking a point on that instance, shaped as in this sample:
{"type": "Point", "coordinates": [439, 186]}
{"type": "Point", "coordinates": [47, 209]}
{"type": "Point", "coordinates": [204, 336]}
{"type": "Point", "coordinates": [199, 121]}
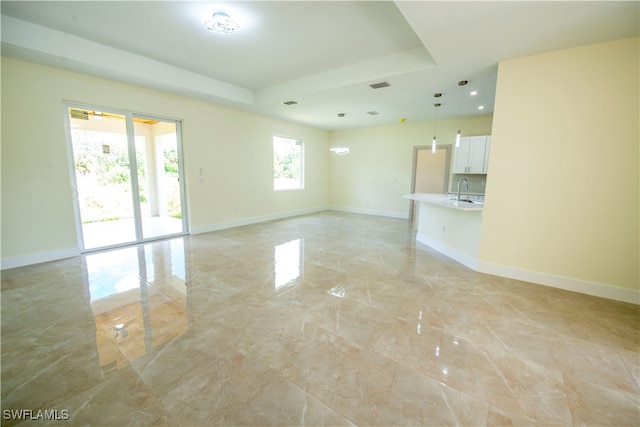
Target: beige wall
{"type": "Point", "coordinates": [563, 190]}
{"type": "Point", "coordinates": [377, 171]}
{"type": "Point", "coordinates": [233, 148]}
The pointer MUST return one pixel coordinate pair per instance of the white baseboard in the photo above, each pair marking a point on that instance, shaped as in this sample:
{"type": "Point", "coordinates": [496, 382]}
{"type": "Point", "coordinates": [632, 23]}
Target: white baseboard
{"type": "Point", "coordinates": [36, 258]}
{"type": "Point", "coordinates": [39, 257]}
{"type": "Point", "coordinates": [454, 254]}
{"type": "Point", "coordinates": [253, 220]}
{"type": "Point", "coordinates": [562, 282]}
{"type": "Point", "coordinates": [559, 282]}
{"type": "Point", "coordinates": [258, 219]}
{"type": "Point", "coordinates": [400, 215]}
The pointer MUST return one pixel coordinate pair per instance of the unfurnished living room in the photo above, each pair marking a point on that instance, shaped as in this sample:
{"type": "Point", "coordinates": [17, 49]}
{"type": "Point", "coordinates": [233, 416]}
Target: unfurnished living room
{"type": "Point", "coordinates": [294, 213]}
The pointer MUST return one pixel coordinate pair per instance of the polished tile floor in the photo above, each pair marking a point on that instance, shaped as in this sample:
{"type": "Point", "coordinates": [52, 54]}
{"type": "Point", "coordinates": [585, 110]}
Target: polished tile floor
{"type": "Point", "coordinates": [326, 319]}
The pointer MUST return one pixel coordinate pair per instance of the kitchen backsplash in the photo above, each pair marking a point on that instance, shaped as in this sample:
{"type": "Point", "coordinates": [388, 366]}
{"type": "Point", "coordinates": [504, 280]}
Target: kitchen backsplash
{"type": "Point", "coordinates": [477, 183]}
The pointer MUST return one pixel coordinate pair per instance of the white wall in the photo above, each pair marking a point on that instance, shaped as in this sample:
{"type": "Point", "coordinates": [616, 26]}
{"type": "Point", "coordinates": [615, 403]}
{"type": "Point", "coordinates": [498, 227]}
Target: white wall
{"type": "Point", "coordinates": [563, 191]}
{"type": "Point", "coordinates": [377, 171]}
{"type": "Point", "coordinates": [233, 148]}
{"type": "Point", "coordinates": [453, 232]}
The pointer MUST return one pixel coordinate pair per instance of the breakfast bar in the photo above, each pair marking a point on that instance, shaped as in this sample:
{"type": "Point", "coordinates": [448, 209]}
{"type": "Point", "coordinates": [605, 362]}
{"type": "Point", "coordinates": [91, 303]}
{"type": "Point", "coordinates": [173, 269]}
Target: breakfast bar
{"type": "Point", "coordinates": [450, 224]}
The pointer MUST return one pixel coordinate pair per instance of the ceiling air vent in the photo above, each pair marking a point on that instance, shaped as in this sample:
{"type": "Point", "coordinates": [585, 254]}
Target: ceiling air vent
{"type": "Point", "coordinates": [78, 114]}
{"type": "Point", "coordinates": [290, 102]}
{"type": "Point", "coordinates": [379, 85]}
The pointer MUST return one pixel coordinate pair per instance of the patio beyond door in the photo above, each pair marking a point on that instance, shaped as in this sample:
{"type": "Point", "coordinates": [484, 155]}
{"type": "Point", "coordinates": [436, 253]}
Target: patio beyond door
{"type": "Point", "coordinates": [127, 177]}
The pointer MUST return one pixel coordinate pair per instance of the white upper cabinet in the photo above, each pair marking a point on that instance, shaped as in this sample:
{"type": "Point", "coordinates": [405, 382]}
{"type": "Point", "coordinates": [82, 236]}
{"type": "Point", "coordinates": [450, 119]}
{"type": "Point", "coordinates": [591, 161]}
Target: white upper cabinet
{"type": "Point", "coordinates": [487, 148]}
{"type": "Point", "coordinates": [473, 155]}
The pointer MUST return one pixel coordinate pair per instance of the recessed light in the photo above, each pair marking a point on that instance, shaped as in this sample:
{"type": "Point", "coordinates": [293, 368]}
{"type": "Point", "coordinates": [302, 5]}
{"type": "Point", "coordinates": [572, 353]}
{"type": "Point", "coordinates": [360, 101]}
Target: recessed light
{"type": "Point", "coordinates": [481, 107]}
{"type": "Point", "coordinates": [372, 113]}
{"type": "Point", "coordinates": [473, 93]}
{"type": "Point", "coordinates": [290, 102]}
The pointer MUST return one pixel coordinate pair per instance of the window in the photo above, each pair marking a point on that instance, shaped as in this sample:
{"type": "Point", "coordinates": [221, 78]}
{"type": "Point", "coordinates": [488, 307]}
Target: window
{"type": "Point", "coordinates": [287, 164]}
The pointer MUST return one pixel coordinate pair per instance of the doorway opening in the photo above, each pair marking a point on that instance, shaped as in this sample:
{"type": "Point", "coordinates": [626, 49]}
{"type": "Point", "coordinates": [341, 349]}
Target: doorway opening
{"type": "Point", "coordinates": [430, 173]}
{"type": "Point", "coordinates": [127, 177]}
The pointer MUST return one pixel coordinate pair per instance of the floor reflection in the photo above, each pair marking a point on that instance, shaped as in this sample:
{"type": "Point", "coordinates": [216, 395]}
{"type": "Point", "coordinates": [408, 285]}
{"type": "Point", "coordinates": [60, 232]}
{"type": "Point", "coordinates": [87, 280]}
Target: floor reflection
{"type": "Point", "coordinates": [337, 291]}
{"type": "Point", "coordinates": [138, 298]}
{"type": "Point", "coordinates": [288, 264]}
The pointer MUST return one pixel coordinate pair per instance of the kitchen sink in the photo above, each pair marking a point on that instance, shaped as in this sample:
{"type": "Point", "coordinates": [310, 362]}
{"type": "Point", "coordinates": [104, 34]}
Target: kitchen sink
{"type": "Point", "coordinates": [475, 202]}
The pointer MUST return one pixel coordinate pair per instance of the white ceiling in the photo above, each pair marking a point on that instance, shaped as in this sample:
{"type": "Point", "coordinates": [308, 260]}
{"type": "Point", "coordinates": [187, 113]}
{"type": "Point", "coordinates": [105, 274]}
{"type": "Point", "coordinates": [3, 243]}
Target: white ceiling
{"type": "Point", "coordinates": [323, 54]}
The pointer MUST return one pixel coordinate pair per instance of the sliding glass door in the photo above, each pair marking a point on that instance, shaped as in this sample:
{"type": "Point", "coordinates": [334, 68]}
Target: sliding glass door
{"type": "Point", "coordinates": [127, 176]}
{"type": "Point", "coordinates": [158, 177]}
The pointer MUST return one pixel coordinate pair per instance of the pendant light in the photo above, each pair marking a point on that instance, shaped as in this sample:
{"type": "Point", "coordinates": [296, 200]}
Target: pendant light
{"type": "Point", "coordinates": [340, 151]}
{"type": "Point", "coordinates": [435, 130]}
{"type": "Point", "coordinates": [458, 135]}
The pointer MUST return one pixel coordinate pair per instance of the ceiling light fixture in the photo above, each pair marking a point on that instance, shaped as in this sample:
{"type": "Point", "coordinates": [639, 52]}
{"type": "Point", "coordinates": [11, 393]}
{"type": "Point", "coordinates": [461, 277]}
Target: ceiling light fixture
{"type": "Point", "coordinates": [473, 93]}
{"type": "Point", "coordinates": [481, 107]}
{"type": "Point", "coordinates": [339, 151]}
{"type": "Point", "coordinates": [221, 23]}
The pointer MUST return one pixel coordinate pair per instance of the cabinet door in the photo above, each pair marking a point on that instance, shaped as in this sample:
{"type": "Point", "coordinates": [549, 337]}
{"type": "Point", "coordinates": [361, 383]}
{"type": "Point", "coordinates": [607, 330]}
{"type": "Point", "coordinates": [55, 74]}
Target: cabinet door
{"type": "Point", "coordinates": [476, 154]}
{"type": "Point", "coordinates": [461, 158]}
{"type": "Point", "coordinates": [487, 149]}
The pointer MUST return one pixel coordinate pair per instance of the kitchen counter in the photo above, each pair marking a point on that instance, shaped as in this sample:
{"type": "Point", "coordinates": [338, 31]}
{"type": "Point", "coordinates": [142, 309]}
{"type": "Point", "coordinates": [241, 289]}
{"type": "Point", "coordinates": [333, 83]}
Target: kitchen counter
{"type": "Point", "coordinates": [445, 200]}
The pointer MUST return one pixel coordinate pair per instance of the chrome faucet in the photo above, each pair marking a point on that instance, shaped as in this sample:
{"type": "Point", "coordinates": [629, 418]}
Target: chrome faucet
{"type": "Point", "coordinates": [466, 186]}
